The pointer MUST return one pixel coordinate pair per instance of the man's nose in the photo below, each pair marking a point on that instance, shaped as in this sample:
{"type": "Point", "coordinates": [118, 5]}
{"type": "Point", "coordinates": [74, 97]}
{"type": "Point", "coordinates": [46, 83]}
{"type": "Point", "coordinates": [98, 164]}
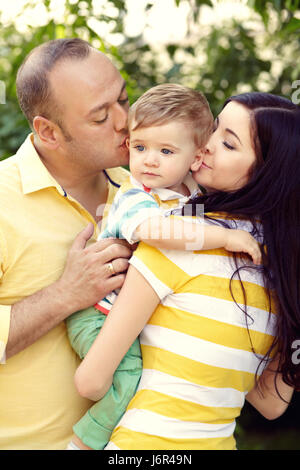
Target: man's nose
{"type": "Point", "coordinates": [120, 117]}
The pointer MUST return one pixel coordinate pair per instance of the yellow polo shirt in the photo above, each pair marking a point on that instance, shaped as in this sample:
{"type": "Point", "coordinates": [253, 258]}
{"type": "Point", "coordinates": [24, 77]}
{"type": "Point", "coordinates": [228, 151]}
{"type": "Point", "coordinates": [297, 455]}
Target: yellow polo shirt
{"type": "Point", "coordinates": [38, 223]}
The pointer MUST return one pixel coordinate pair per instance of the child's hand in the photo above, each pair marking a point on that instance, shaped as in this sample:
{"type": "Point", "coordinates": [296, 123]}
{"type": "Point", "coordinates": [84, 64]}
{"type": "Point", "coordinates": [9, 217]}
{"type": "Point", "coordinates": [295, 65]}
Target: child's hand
{"type": "Point", "coordinates": [240, 240]}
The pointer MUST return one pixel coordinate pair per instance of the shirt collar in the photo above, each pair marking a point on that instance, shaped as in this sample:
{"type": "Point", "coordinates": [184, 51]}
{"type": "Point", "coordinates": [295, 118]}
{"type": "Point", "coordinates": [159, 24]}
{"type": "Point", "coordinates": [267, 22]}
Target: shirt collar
{"type": "Point", "coordinates": [166, 194]}
{"type": "Point", "coordinates": [34, 174]}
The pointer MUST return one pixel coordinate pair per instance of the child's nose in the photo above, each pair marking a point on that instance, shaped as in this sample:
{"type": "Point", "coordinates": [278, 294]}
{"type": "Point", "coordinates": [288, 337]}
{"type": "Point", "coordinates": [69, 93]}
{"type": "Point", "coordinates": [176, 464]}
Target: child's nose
{"type": "Point", "coordinates": [151, 159]}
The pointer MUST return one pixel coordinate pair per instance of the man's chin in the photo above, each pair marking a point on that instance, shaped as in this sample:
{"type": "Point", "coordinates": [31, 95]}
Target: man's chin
{"type": "Point", "coordinates": [119, 161]}
{"type": "Point", "coordinates": [124, 159]}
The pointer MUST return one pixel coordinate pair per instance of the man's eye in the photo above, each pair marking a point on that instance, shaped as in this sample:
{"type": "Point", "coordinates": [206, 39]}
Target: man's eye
{"type": "Point", "coordinates": [166, 151]}
{"type": "Point", "coordinates": [102, 120]}
{"type": "Point", "coordinates": [140, 148]}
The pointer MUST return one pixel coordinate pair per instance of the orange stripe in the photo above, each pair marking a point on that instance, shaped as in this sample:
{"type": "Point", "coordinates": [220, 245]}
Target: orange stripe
{"type": "Point", "coordinates": [102, 309]}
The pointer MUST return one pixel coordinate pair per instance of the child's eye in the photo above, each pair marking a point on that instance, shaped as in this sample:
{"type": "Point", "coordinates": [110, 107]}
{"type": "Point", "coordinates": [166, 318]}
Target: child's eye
{"type": "Point", "coordinates": [124, 101]}
{"type": "Point", "coordinates": [166, 151]}
{"type": "Point", "coordinates": [228, 145]}
{"type": "Point", "coordinates": [140, 148]}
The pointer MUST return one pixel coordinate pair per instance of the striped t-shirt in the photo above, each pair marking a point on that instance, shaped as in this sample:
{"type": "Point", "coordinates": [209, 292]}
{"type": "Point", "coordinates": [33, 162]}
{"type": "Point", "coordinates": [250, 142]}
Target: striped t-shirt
{"type": "Point", "coordinates": [198, 362]}
{"type": "Point", "coordinates": [133, 204]}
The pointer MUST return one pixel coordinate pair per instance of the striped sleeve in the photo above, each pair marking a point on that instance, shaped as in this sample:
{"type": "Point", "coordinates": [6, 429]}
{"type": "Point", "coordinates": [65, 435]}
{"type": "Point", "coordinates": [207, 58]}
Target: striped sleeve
{"type": "Point", "coordinates": [157, 269]}
{"type": "Point", "coordinates": [128, 211]}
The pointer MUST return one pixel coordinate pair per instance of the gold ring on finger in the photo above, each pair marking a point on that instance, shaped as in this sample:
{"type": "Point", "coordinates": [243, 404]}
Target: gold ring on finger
{"type": "Point", "coordinates": [111, 269]}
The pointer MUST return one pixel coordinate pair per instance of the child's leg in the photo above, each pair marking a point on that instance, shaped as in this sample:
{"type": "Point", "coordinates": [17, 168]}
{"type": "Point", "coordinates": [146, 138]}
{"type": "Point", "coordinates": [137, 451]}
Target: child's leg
{"type": "Point", "coordinates": [83, 328]}
{"type": "Point", "coordinates": [95, 427]}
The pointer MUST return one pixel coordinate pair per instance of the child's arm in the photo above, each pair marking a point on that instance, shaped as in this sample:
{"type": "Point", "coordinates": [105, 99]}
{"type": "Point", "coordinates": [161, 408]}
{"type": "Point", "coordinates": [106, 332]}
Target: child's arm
{"type": "Point", "coordinates": [94, 376]}
{"type": "Point", "coordinates": [266, 400]}
{"type": "Point", "coordinates": [180, 233]}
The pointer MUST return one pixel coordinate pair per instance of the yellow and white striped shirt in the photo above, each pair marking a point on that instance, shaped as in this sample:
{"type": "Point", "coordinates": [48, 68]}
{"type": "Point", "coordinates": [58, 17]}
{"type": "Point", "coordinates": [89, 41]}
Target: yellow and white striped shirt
{"type": "Point", "coordinates": [197, 355]}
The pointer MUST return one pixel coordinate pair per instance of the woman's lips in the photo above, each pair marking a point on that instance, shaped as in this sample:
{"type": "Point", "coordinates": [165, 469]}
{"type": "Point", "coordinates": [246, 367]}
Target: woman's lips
{"type": "Point", "coordinates": [203, 165]}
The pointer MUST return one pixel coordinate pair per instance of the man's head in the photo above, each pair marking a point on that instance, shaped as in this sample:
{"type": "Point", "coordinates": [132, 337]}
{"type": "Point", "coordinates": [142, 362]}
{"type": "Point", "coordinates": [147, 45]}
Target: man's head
{"type": "Point", "coordinates": [169, 125]}
{"type": "Point", "coordinates": [76, 103]}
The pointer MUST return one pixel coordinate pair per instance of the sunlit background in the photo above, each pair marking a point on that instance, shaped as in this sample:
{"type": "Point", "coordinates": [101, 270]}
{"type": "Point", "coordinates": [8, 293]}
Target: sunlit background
{"type": "Point", "coordinates": [219, 47]}
{"type": "Point", "coordinates": [162, 24]}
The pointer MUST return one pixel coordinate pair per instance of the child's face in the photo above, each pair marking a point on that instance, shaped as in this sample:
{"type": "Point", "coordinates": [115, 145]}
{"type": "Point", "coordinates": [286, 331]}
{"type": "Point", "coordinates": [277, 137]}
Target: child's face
{"type": "Point", "coordinates": [161, 156]}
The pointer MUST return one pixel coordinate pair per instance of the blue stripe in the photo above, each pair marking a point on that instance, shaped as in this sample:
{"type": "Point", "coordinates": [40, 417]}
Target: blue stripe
{"type": "Point", "coordinates": [115, 229]}
{"type": "Point", "coordinates": [123, 198]}
{"type": "Point", "coordinates": [110, 180]}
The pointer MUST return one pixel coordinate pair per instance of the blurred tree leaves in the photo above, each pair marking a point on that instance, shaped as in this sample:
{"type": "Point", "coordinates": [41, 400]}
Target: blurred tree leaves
{"type": "Point", "coordinates": [218, 59]}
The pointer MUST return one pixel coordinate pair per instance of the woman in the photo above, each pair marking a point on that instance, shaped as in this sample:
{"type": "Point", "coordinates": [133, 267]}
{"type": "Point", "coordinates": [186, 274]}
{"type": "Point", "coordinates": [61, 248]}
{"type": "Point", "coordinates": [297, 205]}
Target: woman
{"type": "Point", "coordinates": [213, 325]}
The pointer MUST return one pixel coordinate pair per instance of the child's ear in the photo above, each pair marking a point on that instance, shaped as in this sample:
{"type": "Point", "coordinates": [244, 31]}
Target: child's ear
{"type": "Point", "coordinates": [198, 159]}
{"type": "Point", "coordinates": [127, 142]}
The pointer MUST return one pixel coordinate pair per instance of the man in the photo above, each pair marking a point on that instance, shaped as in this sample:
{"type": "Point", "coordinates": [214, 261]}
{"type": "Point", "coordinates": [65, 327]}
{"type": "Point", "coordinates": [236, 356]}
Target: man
{"type": "Point", "coordinates": [76, 104]}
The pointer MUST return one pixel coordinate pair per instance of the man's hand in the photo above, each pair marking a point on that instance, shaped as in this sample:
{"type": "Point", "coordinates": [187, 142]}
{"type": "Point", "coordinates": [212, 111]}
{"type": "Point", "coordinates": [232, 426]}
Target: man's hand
{"type": "Point", "coordinates": [86, 279]}
{"type": "Point", "coordinates": [88, 276]}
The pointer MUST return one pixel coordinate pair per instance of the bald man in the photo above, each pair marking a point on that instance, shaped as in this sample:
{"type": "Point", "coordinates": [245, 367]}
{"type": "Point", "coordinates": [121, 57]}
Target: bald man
{"type": "Point", "coordinates": [54, 195]}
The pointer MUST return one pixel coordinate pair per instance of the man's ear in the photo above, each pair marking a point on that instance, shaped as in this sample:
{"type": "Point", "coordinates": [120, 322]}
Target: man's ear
{"type": "Point", "coordinates": [47, 131]}
{"type": "Point", "coordinates": [198, 159]}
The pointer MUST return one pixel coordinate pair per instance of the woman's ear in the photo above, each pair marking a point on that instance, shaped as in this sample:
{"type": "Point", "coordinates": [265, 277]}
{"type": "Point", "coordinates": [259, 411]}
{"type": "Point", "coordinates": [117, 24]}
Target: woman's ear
{"type": "Point", "coordinates": [198, 159]}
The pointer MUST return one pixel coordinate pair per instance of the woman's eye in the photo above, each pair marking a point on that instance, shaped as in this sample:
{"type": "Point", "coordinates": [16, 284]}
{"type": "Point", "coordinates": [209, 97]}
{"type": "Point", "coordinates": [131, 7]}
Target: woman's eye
{"type": "Point", "coordinates": [166, 151]}
{"type": "Point", "coordinates": [228, 145]}
{"type": "Point", "coordinates": [140, 148]}
{"type": "Point", "coordinates": [215, 125]}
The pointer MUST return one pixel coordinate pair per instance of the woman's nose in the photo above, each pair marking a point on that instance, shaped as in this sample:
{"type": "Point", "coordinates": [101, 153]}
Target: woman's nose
{"type": "Point", "coordinates": [208, 148]}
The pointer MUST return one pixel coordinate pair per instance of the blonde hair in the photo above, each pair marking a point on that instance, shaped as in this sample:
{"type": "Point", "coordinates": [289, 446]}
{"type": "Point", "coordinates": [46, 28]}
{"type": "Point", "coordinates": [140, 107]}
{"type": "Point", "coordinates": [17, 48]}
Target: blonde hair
{"type": "Point", "coordinates": [172, 102]}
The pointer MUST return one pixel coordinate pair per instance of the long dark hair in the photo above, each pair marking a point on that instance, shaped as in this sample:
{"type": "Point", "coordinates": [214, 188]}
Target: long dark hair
{"type": "Point", "coordinates": [272, 195]}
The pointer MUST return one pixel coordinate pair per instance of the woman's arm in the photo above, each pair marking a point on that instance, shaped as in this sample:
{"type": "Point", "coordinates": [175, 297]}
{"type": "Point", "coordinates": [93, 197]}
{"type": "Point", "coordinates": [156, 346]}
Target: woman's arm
{"type": "Point", "coordinates": [179, 233]}
{"type": "Point", "coordinates": [267, 401]}
{"type": "Point", "coordinates": [133, 307]}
